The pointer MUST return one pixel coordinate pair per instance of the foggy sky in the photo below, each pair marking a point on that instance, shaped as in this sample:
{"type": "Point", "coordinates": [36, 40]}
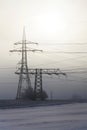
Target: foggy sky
{"type": "Point", "coordinates": [53, 24]}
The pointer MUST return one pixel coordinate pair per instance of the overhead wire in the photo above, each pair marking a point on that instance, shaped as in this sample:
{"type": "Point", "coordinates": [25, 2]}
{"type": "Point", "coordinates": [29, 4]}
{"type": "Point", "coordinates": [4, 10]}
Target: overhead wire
{"type": "Point", "coordinates": [55, 61]}
{"type": "Point", "coordinates": [64, 43]}
{"type": "Point", "coordinates": [64, 52]}
{"type": "Point", "coordinates": [7, 68]}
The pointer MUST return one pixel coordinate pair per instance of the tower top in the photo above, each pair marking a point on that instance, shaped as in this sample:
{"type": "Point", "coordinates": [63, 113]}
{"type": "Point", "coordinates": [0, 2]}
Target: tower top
{"type": "Point", "coordinates": [24, 34]}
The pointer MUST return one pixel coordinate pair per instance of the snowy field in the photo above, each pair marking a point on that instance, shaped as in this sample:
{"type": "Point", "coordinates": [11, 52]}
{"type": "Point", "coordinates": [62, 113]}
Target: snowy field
{"type": "Point", "coordinates": [61, 117]}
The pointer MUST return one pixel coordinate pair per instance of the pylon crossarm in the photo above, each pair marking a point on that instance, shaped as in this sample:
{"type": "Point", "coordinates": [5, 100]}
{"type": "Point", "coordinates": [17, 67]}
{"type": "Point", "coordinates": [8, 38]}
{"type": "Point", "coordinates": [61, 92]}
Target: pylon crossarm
{"type": "Point", "coordinates": [44, 71]}
{"type": "Point", "coordinates": [47, 71]}
{"type": "Point", "coordinates": [35, 50]}
{"type": "Point", "coordinates": [16, 43]}
{"type": "Point", "coordinates": [15, 50]}
{"type": "Point", "coordinates": [32, 50]}
{"type": "Point", "coordinates": [27, 42]}
{"type": "Point", "coordinates": [17, 72]}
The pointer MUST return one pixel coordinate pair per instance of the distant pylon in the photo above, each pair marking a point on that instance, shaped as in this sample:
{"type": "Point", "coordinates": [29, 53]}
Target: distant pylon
{"type": "Point", "coordinates": [24, 78]}
{"type": "Point", "coordinates": [38, 92]}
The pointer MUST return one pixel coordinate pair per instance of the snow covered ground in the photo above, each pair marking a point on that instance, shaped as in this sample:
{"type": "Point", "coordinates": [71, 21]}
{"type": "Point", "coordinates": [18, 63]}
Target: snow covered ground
{"type": "Point", "coordinates": [60, 117]}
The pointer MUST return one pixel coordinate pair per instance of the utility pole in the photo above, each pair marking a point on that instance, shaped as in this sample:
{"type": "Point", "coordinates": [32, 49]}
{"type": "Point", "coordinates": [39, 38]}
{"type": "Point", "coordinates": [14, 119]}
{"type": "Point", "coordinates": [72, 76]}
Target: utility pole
{"type": "Point", "coordinates": [24, 77]}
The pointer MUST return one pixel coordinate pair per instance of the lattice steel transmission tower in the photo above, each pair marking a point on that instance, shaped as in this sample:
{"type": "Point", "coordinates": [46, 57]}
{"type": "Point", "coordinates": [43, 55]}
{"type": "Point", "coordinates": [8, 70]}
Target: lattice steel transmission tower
{"type": "Point", "coordinates": [38, 86]}
{"type": "Point", "coordinates": [24, 78]}
{"type": "Point", "coordinates": [38, 89]}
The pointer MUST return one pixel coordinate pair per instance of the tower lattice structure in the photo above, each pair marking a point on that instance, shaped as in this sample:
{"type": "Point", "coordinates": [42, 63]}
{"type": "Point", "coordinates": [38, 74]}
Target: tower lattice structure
{"type": "Point", "coordinates": [24, 77]}
{"type": "Point", "coordinates": [38, 84]}
{"type": "Point", "coordinates": [38, 88]}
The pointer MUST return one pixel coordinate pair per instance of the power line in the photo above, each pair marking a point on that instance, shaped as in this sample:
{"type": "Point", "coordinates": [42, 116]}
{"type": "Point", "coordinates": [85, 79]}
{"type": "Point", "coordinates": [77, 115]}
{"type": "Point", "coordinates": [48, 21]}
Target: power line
{"type": "Point", "coordinates": [68, 71]}
{"type": "Point", "coordinates": [66, 52]}
{"type": "Point", "coordinates": [64, 44]}
{"type": "Point", "coordinates": [8, 82]}
{"type": "Point", "coordinates": [7, 68]}
{"type": "Point", "coordinates": [76, 72]}
{"type": "Point", "coordinates": [64, 60]}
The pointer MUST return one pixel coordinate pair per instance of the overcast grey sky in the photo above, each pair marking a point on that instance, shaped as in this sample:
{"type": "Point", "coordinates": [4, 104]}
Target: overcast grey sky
{"type": "Point", "coordinates": [53, 24]}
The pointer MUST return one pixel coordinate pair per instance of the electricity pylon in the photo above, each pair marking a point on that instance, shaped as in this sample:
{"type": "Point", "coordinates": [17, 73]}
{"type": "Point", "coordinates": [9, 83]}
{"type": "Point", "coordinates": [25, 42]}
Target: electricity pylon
{"type": "Point", "coordinates": [38, 88]}
{"type": "Point", "coordinates": [24, 78]}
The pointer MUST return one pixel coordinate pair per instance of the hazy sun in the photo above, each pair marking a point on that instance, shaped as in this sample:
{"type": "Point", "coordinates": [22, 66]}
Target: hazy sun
{"type": "Point", "coordinates": [49, 23]}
